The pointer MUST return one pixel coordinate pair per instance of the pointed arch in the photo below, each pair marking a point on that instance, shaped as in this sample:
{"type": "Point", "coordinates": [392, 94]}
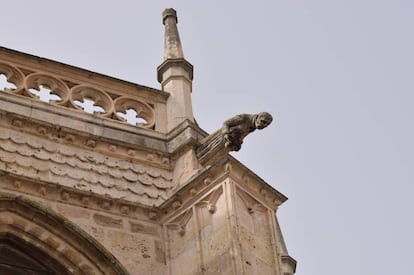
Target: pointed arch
{"type": "Point", "coordinates": [52, 241]}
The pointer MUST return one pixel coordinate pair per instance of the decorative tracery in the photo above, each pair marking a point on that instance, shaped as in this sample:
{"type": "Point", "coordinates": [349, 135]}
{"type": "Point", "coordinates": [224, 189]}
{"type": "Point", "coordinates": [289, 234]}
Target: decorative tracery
{"type": "Point", "coordinates": [132, 117]}
{"type": "Point", "coordinates": [5, 85]}
{"type": "Point", "coordinates": [134, 112]}
{"type": "Point", "coordinates": [90, 99]}
{"type": "Point", "coordinates": [46, 88]}
{"type": "Point", "coordinates": [44, 93]}
{"type": "Point", "coordinates": [12, 78]}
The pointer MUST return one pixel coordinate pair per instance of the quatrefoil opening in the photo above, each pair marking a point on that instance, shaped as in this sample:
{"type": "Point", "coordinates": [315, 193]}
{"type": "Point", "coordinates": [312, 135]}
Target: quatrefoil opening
{"type": "Point", "coordinates": [11, 79]}
{"type": "Point", "coordinates": [134, 112]}
{"type": "Point", "coordinates": [47, 88]}
{"type": "Point", "coordinates": [91, 100]}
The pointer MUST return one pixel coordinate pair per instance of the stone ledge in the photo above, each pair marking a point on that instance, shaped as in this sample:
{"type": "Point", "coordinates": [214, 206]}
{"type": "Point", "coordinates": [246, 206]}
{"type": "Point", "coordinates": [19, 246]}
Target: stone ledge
{"type": "Point", "coordinates": [286, 259]}
{"type": "Point", "coordinates": [81, 122]}
{"type": "Point", "coordinates": [208, 178]}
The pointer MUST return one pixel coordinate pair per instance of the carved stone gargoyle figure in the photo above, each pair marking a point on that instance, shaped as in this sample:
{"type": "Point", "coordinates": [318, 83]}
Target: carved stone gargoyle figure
{"type": "Point", "coordinates": [238, 127]}
{"type": "Point", "coordinates": [230, 136]}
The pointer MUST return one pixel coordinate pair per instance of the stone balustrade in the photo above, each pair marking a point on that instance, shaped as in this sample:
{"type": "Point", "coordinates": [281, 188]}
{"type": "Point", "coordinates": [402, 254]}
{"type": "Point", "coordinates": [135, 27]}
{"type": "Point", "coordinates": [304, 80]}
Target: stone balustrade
{"type": "Point", "coordinates": [118, 100]}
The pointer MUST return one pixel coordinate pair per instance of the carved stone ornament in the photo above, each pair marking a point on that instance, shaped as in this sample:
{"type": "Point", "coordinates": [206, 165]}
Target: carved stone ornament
{"type": "Point", "coordinates": [97, 101]}
{"type": "Point", "coordinates": [238, 127]}
{"type": "Point", "coordinates": [230, 137]}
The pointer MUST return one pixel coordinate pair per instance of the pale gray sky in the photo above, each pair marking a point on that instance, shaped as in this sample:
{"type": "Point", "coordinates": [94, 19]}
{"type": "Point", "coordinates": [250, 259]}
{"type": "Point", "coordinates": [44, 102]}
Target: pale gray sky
{"type": "Point", "coordinates": [336, 75]}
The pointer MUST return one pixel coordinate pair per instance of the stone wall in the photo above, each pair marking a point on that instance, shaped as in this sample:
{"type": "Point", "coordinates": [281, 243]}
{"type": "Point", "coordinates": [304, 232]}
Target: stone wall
{"type": "Point", "coordinates": [139, 195]}
{"type": "Point", "coordinates": [226, 231]}
{"type": "Point", "coordinates": [135, 241]}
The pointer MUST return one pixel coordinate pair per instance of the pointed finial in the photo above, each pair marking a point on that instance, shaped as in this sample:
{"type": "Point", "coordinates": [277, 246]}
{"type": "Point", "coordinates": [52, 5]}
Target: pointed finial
{"type": "Point", "coordinates": [172, 43]}
{"type": "Point", "coordinates": [169, 12]}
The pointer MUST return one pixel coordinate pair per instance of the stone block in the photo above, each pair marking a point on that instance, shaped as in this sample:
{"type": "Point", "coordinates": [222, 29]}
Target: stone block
{"type": "Point", "coordinates": [73, 212]}
{"type": "Point", "coordinates": [138, 253]}
{"type": "Point", "coordinates": [107, 221]}
{"type": "Point", "coordinates": [144, 228]}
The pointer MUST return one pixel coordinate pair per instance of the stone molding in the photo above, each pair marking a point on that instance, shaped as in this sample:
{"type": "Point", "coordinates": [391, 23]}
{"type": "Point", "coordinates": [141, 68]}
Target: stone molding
{"type": "Point", "coordinates": [78, 128]}
{"type": "Point", "coordinates": [174, 62]}
{"type": "Point", "coordinates": [211, 199]}
{"type": "Point", "coordinates": [210, 178]}
{"type": "Point", "coordinates": [290, 263]}
{"type": "Point", "coordinates": [251, 204]}
{"type": "Point", "coordinates": [97, 141]}
{"type": "Point", "coordinates": [56, 193]}
{"type": "Point", "coordinates": [180, 222]}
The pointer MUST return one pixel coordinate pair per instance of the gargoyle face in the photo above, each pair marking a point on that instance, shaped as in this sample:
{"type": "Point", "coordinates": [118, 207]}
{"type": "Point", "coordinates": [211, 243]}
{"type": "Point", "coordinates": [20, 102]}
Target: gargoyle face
{"type": "Point", "coordinates": [263, 120]}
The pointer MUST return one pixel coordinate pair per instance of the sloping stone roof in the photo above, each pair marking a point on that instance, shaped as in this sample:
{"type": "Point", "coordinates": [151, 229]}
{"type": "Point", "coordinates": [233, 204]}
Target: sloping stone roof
{"type": "Point", "coordinates": [73, 167]}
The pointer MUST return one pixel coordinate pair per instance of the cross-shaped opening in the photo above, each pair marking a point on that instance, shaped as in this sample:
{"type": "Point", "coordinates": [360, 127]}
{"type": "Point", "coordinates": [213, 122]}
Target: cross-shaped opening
{"type": "Point", "coordinates": [131, 117]}
{"type": "Point", "coordinates": [5, 84]}
{"type": "Point", "coordinates": [88, 105]}
{"type": "Point", "coordinates": [45, 93]}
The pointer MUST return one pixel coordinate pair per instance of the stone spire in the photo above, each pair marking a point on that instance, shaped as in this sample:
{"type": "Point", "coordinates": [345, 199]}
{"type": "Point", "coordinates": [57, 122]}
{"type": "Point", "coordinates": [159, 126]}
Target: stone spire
{"type": "Point", "coordinates": [175, 74]}
{"type": "Point", "coordinates": [172, 43]}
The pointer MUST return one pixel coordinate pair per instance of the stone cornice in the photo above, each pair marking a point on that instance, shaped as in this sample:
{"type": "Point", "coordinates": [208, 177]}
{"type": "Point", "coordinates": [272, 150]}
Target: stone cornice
{"type": "Point", "coordinates": [33, 114]}
{"type": "Point", "coordinates": [177, 63]}
{"type": "Point", "coordinates": [286, 259]}
{"type": "Point", "coordinates": [36, 113]}
{"type": "Point", "coordinates": [186, 134]}
{"type": "Point", "coordinates": [208, 178]}
{"type": "Point", "coordinates": [56, 193]}
{"type": "Point", "coordinates": [248, 175]}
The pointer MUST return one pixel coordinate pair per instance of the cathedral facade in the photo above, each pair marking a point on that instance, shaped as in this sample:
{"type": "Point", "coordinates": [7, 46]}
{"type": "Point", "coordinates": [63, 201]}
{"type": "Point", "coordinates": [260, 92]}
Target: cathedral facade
{"type": "Point", "coordinates": [103, 176]}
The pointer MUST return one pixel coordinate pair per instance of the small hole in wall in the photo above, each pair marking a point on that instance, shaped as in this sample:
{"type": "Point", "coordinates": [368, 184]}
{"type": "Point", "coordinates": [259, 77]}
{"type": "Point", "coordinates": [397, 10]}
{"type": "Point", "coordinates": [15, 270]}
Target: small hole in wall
{"type": "Point", "coordinates": [89, 106]}
{"type": "Point", "coordinates": [5, 84]}
{"type": "Point", "coordinates": [132, 117]}
{"type": "Point", "coordinates": [44, 93]}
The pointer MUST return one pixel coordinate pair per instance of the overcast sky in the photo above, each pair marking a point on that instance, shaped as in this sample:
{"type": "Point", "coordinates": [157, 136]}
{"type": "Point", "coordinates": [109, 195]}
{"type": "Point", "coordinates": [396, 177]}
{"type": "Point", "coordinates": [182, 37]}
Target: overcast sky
{"type": "Point", "coordinates": [336, 75]}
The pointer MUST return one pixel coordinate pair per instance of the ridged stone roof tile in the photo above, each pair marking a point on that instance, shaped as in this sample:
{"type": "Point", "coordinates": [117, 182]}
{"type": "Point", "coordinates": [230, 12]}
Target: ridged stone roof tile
{"type": "Point", "coordinates": [83, 170]}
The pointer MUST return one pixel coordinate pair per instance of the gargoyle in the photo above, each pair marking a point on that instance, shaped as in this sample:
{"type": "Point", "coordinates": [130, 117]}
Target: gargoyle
{"type": "Point", "coordinates": [238, 127]}
{"type": "Point", "coordinates": [230, 136]}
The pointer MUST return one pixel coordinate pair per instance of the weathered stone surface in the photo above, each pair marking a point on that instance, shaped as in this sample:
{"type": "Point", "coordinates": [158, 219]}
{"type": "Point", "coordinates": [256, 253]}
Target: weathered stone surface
{"type": "Point", "coordinates": [141, 254]}
{"type": "Point", "coordinates": [87, 171]}
{"type": "Point", "coordinates": [63, 245]}
{"type": "Point", "coordinates": [238, 127]}
{"type": "Point", "coordinates": [175, 74]}
{"type": "Point", "coordinates": [73, 212]}
{"type": "Point", "coordinates": [144, 228]}
{"type": "Point", "coordinates": [230, 137]}
{"type": "Point", "coordinates": [97, 232]}
{"type": "Point", "coordinates": [107, 221]}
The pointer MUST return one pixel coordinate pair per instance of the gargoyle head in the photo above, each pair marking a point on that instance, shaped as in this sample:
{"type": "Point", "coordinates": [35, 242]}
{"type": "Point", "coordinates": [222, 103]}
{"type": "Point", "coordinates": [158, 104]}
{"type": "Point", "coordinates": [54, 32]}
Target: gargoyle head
{"type": "Point", "coordinates": [263, 120]}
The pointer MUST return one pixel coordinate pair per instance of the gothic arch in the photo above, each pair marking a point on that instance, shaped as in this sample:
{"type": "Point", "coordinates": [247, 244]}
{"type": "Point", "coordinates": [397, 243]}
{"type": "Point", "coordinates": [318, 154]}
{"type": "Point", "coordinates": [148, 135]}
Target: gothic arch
{"type": "Point", "coordinates": [52, 241]}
